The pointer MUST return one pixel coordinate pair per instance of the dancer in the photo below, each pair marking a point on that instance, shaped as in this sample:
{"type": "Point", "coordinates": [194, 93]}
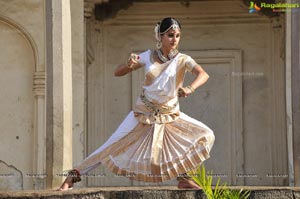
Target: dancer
{"type": "Point", "coordinates": [156, 141]}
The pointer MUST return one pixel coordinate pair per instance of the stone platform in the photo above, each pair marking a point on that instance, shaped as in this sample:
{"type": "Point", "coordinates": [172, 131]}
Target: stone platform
{"type": "Point", "coordinates": [169, 192]}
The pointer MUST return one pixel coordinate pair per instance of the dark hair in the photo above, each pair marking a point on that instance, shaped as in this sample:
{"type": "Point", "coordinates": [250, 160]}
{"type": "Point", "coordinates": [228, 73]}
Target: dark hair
{"type": "Point", "coordinates": [166, 23]}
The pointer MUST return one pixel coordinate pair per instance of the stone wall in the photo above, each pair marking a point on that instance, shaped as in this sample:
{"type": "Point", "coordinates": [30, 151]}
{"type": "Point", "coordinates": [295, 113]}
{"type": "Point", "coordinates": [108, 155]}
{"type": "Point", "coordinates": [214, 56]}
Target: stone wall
{"type": "Point", "coordinates": [37, 56]}
{"type": "Point", "coordinates": [22, 66]}
{"type": "Point", "coordinates": [152, 193]}
{"type": "Point", "coordinates": [243, 101]}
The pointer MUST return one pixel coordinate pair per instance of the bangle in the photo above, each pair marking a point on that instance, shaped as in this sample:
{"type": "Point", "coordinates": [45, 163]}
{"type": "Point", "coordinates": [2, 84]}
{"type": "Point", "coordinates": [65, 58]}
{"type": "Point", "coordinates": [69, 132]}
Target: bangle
{"type": "Point", "coordinates": [132, 57]}
{"type": "Point", "coordinates": [131, 66]}
{"type": "Point", "coordinates": [191, 88]}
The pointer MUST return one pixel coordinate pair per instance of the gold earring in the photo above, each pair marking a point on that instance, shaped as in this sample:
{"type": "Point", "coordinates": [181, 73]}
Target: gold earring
{"type": "Point", "coordinates": [158, 44]}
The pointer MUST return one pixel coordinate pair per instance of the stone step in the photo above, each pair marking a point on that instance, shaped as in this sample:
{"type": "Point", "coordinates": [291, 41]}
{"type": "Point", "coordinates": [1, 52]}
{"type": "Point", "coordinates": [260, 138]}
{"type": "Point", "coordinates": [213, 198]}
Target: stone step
{"type": "Point", "coordinates": [165, 192]}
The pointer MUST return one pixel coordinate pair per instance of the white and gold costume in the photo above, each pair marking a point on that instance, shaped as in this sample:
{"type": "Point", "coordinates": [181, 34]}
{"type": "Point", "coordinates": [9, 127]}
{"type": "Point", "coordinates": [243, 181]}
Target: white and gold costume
{"type": "Point", "coordinates": [156, 142]}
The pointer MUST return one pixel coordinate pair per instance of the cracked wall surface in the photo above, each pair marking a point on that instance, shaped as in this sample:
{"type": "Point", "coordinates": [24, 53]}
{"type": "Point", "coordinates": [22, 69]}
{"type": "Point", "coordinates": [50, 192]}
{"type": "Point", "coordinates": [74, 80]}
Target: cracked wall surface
{"type": "Point", "coordinates": [19, 23]}
{"type": "Point", "coordinates": [10, 177]}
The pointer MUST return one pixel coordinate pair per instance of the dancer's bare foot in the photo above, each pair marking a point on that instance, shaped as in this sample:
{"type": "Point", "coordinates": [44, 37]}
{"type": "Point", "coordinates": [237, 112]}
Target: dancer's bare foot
{"type": "Point", "coordinates": [67, 184]}
{"type": "Point", "coordinates": [73, 176]}
{"type": "Point", "coordinates": [187, 184]}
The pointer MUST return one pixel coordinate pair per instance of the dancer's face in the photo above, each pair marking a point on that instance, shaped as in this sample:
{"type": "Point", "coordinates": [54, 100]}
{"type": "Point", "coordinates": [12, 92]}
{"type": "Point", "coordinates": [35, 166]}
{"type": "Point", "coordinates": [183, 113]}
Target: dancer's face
{"type": "Point", "coordinates": [170, 39]}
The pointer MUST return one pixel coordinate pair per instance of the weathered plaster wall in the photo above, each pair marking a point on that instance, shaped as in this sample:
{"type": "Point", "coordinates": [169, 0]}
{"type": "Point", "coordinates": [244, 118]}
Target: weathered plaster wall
{"type": "Point", "coordinates": [19, 61]}
{"type": "Point", "coordinates": [244, 105]}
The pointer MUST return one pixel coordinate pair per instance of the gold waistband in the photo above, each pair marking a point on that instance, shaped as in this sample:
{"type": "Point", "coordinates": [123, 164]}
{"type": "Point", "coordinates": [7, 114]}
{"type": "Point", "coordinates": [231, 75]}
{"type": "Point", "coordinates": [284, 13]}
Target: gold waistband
{"type": "Point", "coordinates": [157, 109]}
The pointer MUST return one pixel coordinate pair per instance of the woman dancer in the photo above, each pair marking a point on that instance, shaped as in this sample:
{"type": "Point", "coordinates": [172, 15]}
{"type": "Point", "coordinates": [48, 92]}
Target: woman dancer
{"type": "Point", "coordinates": [156, 142]}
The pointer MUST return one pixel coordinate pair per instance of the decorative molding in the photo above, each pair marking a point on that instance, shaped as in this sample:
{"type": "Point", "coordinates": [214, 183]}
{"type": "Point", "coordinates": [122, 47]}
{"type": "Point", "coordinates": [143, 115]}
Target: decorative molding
{"type": "Point", "coordinates": [89, 7]}
{"type": "Point", "coordinates": [26, 34]}
{"type": "Point", "coordinates": [39, 83]}
{"type": "Point", "coordinates": [198, 12]}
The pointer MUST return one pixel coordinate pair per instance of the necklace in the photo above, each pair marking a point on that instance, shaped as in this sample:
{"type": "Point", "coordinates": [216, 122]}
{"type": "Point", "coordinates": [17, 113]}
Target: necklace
{"type": "Point", "coordinates": [164, 59]}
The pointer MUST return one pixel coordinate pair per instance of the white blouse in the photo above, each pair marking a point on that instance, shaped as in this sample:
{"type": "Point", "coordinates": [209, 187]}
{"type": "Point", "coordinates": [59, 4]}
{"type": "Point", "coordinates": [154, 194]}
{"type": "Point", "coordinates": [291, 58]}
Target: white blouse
{"type": "Point", "coordinates": [163, 88]}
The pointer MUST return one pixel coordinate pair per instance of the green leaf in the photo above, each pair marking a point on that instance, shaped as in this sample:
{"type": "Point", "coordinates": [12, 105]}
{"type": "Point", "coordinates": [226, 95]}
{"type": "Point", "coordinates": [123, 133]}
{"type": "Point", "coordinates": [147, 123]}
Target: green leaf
{"type": "Point", "coordinates": [204, 180]}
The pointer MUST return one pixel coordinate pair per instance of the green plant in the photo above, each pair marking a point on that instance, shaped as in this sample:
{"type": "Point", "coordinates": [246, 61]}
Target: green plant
{"type": "Point", "coordinates": [235, 194]}
{"type": "Point", "coordinates": [204, 180]}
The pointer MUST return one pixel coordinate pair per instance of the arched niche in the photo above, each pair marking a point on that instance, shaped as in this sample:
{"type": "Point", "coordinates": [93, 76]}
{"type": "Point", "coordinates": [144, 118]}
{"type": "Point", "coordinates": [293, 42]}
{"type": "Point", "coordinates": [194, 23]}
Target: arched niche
{"type": "Point", "coordinates": [22, 108]}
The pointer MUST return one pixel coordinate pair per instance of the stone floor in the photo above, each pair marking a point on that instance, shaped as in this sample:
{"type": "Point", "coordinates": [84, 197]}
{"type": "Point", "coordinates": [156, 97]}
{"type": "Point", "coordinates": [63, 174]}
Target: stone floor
{"type": "Point", "coordinates": [169, 192]}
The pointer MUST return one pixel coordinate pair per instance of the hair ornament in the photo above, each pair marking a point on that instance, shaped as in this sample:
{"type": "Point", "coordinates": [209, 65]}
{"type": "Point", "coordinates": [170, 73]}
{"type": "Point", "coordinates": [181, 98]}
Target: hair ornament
{"type": "Point", "coordinates": [156, 30]}
{"type": "Point", "coordinates": [175, 26]}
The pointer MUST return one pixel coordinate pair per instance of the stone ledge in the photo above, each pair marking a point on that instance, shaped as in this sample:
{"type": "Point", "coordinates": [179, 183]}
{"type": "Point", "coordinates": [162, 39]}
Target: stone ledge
{"type": "Point", "coordinates": [164, 192]}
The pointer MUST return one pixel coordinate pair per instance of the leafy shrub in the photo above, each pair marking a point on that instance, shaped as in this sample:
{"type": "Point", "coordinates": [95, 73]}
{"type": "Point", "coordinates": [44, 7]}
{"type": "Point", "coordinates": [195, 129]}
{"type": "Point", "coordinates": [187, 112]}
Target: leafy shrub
{"type": "Point", "coordinates": [204, 180]}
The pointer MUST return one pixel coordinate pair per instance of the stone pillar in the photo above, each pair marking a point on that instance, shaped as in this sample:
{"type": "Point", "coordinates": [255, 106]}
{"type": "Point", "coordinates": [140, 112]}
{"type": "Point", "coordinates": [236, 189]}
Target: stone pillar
{"type": "Point", "coordinates": [89, 7]}
{"type": "Point", "coordinates": [79, 83]}
{"type": "Point", "coordinates": [288, 91]}
{"type": "Point", "coordinates": [293, 93]}
{"type": "Point", "coordinates": [295, 87]}
{"type": "Point", "coordinates": [59, 90]}
{"type": "Point", "coordinates": [39, 144]}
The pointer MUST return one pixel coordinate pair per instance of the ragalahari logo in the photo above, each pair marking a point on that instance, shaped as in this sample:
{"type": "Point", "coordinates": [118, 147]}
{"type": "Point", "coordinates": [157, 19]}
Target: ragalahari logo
{"type": "Point", "coordinates": [276, 7]}
{"type": "Point", "coordinates": [253, 7]}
